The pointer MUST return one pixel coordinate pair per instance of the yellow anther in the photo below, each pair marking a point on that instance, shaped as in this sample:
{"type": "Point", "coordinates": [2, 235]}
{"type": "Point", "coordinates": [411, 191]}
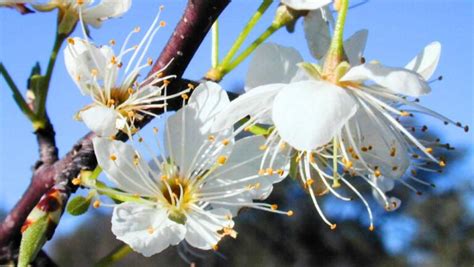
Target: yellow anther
{"type": "Point", "coordinates": [377, 173]}
{"type": "Point", "coordinates": [150, 230]}
{"type": "Point", "coordinates": [215, 247]}
{"type": "Point", "coordinates": [211, 138]}
{"type": "Point", "coordinates": [159, 75]}
{"type": "Point", "coordinates": [76, 181]}
{"type": "Point", "coordinates": [246, 129]}
{"type": "Point", "coordinates": [371, 228]}
{"type": "Point", "coordinates": [96, 204]}
{"type": "Point", "coordinates": [442, 163]}
{"type": "Point", "coordinates": [225, 142]}
{"type": "Point", "coordinates": [311, 158]}
{"type": "Point", "coordinates": [269, 171]}
{"type": "Point", "coordinates": [113, 60]}
{"type": "Point", "coordinates": [404, 113]}
{"type": "Point", "coordinates": [185, 96]}
{"type": "Point", "coordinates": [274, 206]}
{"type": "Point", "coordinates": [261, 172]}
{"type": "Point", "coordinates": [429, 150]}
{"type": "Point", "coordinates": [282, 145]}
{"type": "Point", "coordinates": [164, 177]}
{"type": "Point", "coordinates": [78, 77]}
{"type": "Point", "coordinates": [364, 149]}
{"type": "Point", "coordinates": [290, 213]}
{"type": "Point", "coordinates": [374, 62]}
{"type": "Point", "coordinates": [162, 7]}
{"type": "Point", "coordinates": [191, 86]}
{"type": "Point", "coordinates": [130, 91]}
{"type": "Point", "coordinates": [94, 72]}
{"type": "Point", "coordinates": [113, 157]}
{"type": "Point", "coordinates": [263, 147]}
{"type": "Point", "coordinates": [71, 41]}
{"type": "Point", "coordinates": [350, 150]}
{"type": "Point", "coordinates": [120, 65]}
{"type": "Point", "coordinates": [162, 23]}
{"type": "Point", "coordinates": [333, 226]}
{"type": "Point", "coordinates": [166, 82]}
{"type": "Point", "coordinates": [136, 159]}
{"type": "Point", "coordinates": [221, 159]}
{"type": "Point", "coordinates": [80, 2]}
{"type": "Point", "coordinates": [155, 130]}
{"type": "Point", "coordinates": [137, 29]}
{"type": "Point", "coordinates": [335, 183]}
{"type": "Point", "coordinates": [393, 152]}
{"type": "Point", "coordinates": [112, 42]}
{"type": "Point", "coordinates": [130, 114]}
{"type": "Point", "coordinates": [149, 61]}
{"type": "Point", "coordinates": [230, 232]}
{"type": "Point", "coordinates": [308, 182]}
{"type": "Point", "coordinates": [280, 172]}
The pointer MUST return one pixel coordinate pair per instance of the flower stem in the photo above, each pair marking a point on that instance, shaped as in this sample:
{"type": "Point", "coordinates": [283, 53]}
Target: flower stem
{"type": "Point", "coordinates": [115, 255]}
{"type": "Point", "coordinates": [20, 101]}
{"type": "Point", "coordinates": [245, 32]}
{"type": "Point", "coordinates": [215, 44]}
{"type": "Point", "coordinates": [46, 79]}
{"type": "Point", "coordinates": [338, 38]}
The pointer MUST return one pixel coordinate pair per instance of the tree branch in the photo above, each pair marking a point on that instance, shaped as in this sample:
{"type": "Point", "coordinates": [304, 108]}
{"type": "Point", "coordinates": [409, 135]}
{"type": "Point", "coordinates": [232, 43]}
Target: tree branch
{"type": "Point", "coordinates": [196, 21]}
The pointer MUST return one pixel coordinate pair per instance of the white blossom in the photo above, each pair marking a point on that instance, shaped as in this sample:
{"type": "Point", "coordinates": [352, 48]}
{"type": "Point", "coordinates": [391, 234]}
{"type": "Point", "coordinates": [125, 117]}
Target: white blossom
{"type": "Point", "coordinates": [199, 182]}
{"type": "Point", "coordinates": [118, 98]}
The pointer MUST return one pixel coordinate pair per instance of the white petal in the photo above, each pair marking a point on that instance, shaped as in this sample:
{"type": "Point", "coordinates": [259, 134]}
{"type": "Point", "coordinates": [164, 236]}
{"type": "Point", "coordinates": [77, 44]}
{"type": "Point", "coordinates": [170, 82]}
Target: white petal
{"type": "Point", "coordinates": [104, 10]}
{"type": "Point", "coordinates": [145, 229]}
{"type": "Point", "coordinates": [210, 100]}
{"type": "Point", "coordinates": [81, 58]}
{"type": "Point", "coordinates": [189, 128]}
{"type": "Point", "coordinates": [426, 61]}
{"type": "Point", "coordinates": [253, 102]}
{"type": "Point", "coordinates": [354, 46]}
{"type": "Point", "coordinates": [305, 4]}
{"type": "Point", "coordinates": [387, 153]}
{"type": "Point", "coordinates": [272, 63]}
{"type": "Point", "coordinates": [101, 120]}
{"type": "Point", "coordinates": [117, 160]}
{"type": "Point", "coordinates": [317, 34]}
{"type": "Point", "coordinates": [202, 227]}
{"type": "Point", "coordinates": [308, 114]}
{"type": "Point", "coordinates": [398, 80]}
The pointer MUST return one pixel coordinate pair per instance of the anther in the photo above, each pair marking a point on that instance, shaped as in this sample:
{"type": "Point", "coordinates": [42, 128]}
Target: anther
{"type": "Point", "coordinates": [442, 163]}
{"type": "Point", "coordinates": [261, 172]}
{"type": "Point", "coordinates": [269, 171]}
{"type": "Point", "coordinates": [429, 150]}
{"type": "Point", "coordinates": [371, 228]}
{"type": "Point", "coordinates": [274, 206]}
{"type": "Point", "coordinates": [113, 157]}
{"type": "Point", "coordinates": [211, 138]}
{"type": "Point", "coordinates": [225, 142]}
{"type": "Point", "coordinates": [308, 182]}
{"type": "Point", "coordinates": [76, 181]}
{"type": "Point", "coordinates": [71, 41]}
{"type": "Point", "coordinates": [162, 23]}
{"type": "Point", "coordinates": [290, 213]}
{"type": "Point", "coordinates": [215, 247]}
{"type": "Point", "coordinates": [150, 230]}
{"type": "Point", "coordinates": [184, 96]}
{"type": "Point", "coordinates": [155, 130]}
{"type": "Point", "coordinates": [221, 160]}
{"type": "Point", "coordinates": [137, 29]}
{"type": "Point", "coordinates": [140, 139]}
{"type": "Point", "coordinates": [333, 226]}
{"type": "Point", "coordinates": [94, 72]}
{"type": "Point", "coordinates": [404, 113]}
{"type": "Point", "coordinates": [96, 204]}
{"type": "Point", "coordinates": [263, 147]}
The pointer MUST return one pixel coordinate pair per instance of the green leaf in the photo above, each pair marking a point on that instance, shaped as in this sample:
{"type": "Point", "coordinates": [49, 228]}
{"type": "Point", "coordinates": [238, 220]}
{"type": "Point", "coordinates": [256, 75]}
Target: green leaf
{"type": "Point", "coordinates": [78, 205]}
{"type": "Point", "coordinates": [32, 240]}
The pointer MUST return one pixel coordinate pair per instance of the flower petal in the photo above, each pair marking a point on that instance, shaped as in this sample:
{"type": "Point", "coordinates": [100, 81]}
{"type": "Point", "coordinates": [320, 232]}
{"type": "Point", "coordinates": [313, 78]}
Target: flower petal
{"type": "Point", "coordinates": [101, 120]}
{"type": "Point", "coordinates": [256, 102]}
{"type": "Point", "coordinates": [189, 128]}
{"type": "Point", "coordinates": [305, 4]}
{"type": "Point", "coordinates": [203, 226]}
{"type": "Point", "coordinates": [426, 61]}
{"type": "Point", "coordinates": [381, 146]}
{"type": "Point", "coordinates": [81, 58]}
{"type": "Point", "coordinates": [317, 34]}
{"type": "Point", "coordinates": [119, 162]}
{"type": "Point", "coordinates": [272, 63]}
{"type": "Point", "coordinates": [104, 10]}
{"type": "Point", "coordinates": [308, 114]}
{"type": "Point", "coordinates": [145, 229]}
{"type": "Point", "coordinates": [354, 46]}
{"type": "Point", "coordinates": [397, 80]}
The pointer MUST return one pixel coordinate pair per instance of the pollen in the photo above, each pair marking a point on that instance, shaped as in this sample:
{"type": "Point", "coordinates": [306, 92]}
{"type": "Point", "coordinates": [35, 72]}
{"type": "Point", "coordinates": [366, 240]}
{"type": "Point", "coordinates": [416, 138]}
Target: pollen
{"type": "Point", "coordinates": [76, 181]}
{"type": "Point", "coordinates": [280, 172]}
{"type": "Point", "coordinates": [185, 96]}
{"type": "Point", "coordinates": [222, 160]}
{"type": "Point", "coordinates": [96, 204]}
{"type": "Point", "coordinates": [371, 228]}
{"type": "Point", "coordinates": [166, 82]}
{"type": "Point", "coordinates": [162, 23]}
{"type": "Point", "coordinates": [211, 138]}
{"type": "Point", "coordinates": [130, 91]}
{"type": "Point", "coordinates": [191, 86]}
{"type": "Point", "coordinates": [290, 213]}
{"type": "Point", "coordinates": [429, 150]}
{"type": "Point", "coordinates": [113, 157]}
{"type": "Point", "coordinates": [150, 230]}
{"type": "Point", "coordinates": [269, 171]}
{"type": "Point", "coordinates": [71, 41]}
{"type": "Point", "coordinates": [113, 60]}
{"type": "Point", "coordinates": [274, 206]}
{"type": "Point", "coordinates": [377, 173]}
{"type": "Point", "coordinates": [333, 226]}
{"type": "Point", "coordinates": [225, 142]}
{"type": "Point", "coordinates": [442, 163]}
{"type": "Point", "coordinates": [308, 183]}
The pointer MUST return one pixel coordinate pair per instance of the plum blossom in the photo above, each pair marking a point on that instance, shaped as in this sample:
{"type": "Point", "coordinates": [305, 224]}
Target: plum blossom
{"type": "Point", "coordinates": [344, 123]}
{"type": "Point", "coordinates": [91, 14]}
{"type": "Point", "coordinates": [195, 187]}
{"type": "Point", "coordinates": [118, 98]}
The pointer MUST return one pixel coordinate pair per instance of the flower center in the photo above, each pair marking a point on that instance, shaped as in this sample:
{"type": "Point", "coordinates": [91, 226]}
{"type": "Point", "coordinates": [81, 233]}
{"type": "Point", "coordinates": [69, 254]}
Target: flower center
{"type": "Point", "coordinates": [117, 97]}
{"type": "Point", "coordinates": [178, 193]}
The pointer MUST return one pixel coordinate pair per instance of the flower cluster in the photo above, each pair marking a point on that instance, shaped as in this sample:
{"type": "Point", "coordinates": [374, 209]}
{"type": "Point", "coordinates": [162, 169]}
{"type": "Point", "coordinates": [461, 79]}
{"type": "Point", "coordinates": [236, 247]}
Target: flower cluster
{"type": "Point", "coordinates": [328, 124]}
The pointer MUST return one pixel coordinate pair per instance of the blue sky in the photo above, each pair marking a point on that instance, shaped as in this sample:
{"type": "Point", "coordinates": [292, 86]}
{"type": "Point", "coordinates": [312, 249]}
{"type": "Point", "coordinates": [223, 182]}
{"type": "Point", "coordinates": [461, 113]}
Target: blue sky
{"type": "Point", "coordinates": [398, 30]}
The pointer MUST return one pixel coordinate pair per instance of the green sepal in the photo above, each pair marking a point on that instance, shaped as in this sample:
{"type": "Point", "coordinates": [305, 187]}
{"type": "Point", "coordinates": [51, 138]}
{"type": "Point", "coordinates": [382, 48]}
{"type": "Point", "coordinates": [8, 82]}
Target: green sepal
{"type": "Point", "coordinates": [78, 205]}
{"type": "Point", "coordinates": [313, 70]}
{"type": "Point", "coordinates": [32, 240]}
{"type": "Point", "coordinates": [341, 69]}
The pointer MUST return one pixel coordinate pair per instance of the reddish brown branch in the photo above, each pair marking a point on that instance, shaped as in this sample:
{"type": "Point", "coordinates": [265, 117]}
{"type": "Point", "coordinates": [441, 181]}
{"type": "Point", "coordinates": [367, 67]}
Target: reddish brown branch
{"type": "Point", "coordinates": [181, 47]}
